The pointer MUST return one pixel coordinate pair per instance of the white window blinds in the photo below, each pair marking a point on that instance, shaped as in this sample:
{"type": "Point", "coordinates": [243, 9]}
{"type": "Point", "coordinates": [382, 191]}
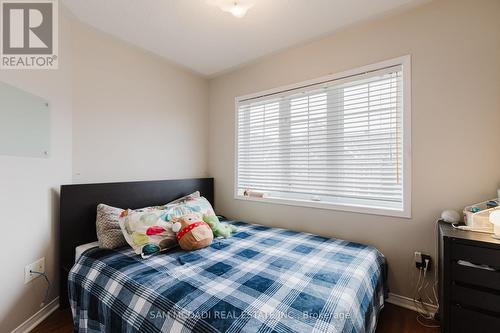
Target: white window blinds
{"type": "Point", "coordinates": [339, 142]}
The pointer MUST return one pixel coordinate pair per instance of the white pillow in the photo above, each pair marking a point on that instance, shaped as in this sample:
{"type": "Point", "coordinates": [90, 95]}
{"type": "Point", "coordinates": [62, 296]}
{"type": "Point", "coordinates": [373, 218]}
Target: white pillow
{"type": "Point", "coordinates": [147, 231]}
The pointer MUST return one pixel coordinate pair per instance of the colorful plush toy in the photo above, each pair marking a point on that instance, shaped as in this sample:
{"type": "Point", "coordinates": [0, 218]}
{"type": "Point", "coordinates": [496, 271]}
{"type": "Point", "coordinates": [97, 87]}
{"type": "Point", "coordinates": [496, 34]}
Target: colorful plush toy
{"type": "Point", "coordinates": [220, 229]}
{"type": "Point", "coordinates": [192, 232]}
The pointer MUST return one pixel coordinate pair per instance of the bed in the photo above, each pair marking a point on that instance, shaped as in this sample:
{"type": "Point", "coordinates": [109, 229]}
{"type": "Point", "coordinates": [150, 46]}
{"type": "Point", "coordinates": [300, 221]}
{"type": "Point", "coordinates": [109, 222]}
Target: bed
{"type": "Point", "coordinates": [260, 280]}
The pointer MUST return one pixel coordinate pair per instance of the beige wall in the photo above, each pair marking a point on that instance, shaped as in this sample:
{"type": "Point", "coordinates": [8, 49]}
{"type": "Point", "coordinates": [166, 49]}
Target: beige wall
{"type": "Point", "coordinates": [28, 193]}
{"type": "Point", "coordinates": [135, 116]}
{"type": "Point", "coordinates": [455, 49]}
{"type": "Point", "coordinates": [110, 100]}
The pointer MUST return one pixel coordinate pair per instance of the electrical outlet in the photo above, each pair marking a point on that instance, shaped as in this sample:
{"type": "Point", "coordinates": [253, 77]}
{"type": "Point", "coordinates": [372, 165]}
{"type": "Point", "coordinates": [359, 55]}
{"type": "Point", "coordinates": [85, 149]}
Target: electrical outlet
{"type": "Point", "coordinates": [420, 259]}
{"type": "Point", "coordinates": [37, 266]}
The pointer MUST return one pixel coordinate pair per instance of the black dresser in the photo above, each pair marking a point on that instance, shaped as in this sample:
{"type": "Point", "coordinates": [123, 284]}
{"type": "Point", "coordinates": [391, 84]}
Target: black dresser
{"type": "Point", "coordinates": [469, 281]}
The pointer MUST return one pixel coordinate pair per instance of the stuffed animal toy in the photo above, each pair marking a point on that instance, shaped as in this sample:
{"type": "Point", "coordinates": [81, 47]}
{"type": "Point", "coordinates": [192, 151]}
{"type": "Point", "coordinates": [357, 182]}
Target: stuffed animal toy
{"type": "Point", "coordinates": [220, 229]}
{"type": "Point", "coordinates": [192, 232]}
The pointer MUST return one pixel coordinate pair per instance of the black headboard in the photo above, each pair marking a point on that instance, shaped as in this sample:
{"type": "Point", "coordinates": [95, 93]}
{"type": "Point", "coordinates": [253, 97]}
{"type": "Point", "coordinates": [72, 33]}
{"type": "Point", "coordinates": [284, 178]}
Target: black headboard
{"type": "Point", "coordinates": [78, 205]}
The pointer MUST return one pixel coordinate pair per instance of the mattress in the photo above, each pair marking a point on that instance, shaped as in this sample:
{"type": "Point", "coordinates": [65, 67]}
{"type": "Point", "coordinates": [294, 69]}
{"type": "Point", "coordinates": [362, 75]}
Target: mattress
{"type": "Point", "coordinates": [260, 280]}
{"type": "Point", "coordinates": [84, 247]}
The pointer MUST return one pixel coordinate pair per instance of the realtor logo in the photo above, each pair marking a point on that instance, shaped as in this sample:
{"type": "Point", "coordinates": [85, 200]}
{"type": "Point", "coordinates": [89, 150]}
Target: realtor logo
{"type": "Point", "coordinates": [29, 34]}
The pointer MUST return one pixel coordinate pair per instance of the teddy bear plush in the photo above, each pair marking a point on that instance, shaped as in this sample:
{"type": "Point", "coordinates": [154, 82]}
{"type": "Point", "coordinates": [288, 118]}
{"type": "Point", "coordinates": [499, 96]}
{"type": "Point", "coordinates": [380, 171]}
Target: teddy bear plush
{"type": "Point", "coordinates": [192, 232]}
{"type": "Point", "coordinates": [220, 229]}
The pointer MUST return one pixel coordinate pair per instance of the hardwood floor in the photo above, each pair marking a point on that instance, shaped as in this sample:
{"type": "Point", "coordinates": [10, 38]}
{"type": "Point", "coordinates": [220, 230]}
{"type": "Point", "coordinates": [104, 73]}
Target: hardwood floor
{"type": "Point", "coordinates": [58, 322]}
{"type": "Point", "coordinates": [393, 319]}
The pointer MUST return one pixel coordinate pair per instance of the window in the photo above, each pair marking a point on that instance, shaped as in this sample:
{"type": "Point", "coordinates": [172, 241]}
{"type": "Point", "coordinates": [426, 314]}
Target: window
{"type": "Point", "coordinates": [340, 142]}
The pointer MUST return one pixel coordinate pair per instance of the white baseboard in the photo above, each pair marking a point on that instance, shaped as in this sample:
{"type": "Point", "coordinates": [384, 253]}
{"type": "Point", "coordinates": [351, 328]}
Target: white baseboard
{"type": "Point", "coordinates": [407, 303]}
{"type": "Point", "coordinates": [38, 317]}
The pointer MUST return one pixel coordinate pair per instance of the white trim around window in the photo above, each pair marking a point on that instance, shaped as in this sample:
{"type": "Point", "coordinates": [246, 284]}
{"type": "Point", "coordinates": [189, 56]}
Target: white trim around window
{"type": "Point", "coordinates": [351, 203]}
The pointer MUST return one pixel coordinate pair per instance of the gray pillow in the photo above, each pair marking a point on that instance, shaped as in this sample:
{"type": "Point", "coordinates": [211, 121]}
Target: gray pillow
{"type": "Point", "coordinates": [109, 233]}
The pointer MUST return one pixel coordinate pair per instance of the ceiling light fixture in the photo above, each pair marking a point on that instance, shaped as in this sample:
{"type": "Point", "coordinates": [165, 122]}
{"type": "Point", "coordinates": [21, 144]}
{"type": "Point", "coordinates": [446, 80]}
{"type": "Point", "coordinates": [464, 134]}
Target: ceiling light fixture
{"type": "Point", "coordinates": [238, 8]}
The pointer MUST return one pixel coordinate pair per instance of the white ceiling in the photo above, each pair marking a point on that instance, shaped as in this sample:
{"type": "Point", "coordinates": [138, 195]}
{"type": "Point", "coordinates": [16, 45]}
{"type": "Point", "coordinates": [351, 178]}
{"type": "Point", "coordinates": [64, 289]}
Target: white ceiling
{"type": "Point", "coordinates": [202, 37]}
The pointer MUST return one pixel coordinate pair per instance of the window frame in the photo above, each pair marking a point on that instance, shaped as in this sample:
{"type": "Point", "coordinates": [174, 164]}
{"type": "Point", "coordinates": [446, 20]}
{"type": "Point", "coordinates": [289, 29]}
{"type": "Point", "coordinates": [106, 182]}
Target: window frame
{"type": "Point", "coordinates": [405, 63]}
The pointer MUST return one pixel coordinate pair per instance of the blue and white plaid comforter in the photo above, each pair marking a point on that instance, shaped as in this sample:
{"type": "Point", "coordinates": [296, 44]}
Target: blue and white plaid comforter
{"type": "Point", "coordinates": [260, 280]}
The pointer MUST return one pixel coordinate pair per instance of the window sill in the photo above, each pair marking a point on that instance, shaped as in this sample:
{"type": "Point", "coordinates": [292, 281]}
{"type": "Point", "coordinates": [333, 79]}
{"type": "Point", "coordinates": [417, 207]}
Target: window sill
{"type": "Point", "coordinates": [330, 206]}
